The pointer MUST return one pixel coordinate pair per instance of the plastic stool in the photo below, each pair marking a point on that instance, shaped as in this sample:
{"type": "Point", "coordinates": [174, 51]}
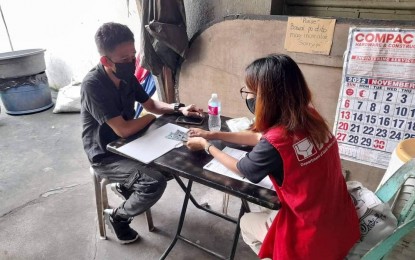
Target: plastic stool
{"type": "Point", "coordinates": [225, 203]}
{"type": "Point", "coordinates": [100, 185]}
{"type": "Point", "coordinates": [403, 152]}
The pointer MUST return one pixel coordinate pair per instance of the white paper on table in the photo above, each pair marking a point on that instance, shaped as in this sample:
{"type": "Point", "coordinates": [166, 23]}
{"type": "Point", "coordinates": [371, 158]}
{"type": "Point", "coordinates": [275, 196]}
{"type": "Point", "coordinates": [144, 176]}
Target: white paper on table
{"type": "Point", "coordinates": [152, 145]}
{"type": "Point", "coordinates": [238, 124]}
{"type": "Point", "coordinates": [216, 166]}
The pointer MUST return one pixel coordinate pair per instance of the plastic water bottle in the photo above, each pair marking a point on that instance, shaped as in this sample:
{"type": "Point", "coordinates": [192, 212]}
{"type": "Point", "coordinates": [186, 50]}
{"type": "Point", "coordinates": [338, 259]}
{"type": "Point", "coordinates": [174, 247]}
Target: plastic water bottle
{"type": "Point", "coordinates": [214, 113]}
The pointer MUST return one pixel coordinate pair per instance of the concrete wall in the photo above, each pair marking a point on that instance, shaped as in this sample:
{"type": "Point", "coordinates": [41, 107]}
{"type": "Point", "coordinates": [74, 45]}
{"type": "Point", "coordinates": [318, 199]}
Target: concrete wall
{"type": "Point", "coordinates": [201, 12]}
{"type": "Point", "coordinates": [218, 56]}
{"type": "Point", "coordinates": [65, 29]}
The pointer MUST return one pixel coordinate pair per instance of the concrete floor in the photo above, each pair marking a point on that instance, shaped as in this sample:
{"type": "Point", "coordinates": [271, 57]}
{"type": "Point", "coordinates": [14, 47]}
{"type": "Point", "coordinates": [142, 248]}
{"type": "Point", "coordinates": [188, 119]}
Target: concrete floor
{"type": "Point", "coordinates": [47, 208]}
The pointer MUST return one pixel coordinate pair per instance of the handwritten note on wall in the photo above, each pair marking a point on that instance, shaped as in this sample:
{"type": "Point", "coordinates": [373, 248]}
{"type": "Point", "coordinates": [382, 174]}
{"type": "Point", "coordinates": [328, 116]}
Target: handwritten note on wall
{"type": "Point", "coordinates": [309, 35]}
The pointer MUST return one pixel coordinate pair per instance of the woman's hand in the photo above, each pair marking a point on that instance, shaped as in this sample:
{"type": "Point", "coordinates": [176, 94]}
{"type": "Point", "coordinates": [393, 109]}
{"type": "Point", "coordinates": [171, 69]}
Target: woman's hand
{"type": "Point", "coordinates": [191, 110]}
{"type": "Point", "coordinates": [196, 143]}
{"type": "Point", "coordinates": [197, 132]}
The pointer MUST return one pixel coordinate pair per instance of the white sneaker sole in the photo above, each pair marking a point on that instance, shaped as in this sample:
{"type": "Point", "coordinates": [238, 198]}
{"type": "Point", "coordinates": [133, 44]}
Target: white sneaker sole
{"type": "Point", "coordinates": [114, 189]}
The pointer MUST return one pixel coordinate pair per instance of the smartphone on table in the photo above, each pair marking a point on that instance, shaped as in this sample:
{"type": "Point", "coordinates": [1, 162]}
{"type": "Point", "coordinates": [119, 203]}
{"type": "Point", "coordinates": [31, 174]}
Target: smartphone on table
{"type": "Point", "coordinates": [190, 120]}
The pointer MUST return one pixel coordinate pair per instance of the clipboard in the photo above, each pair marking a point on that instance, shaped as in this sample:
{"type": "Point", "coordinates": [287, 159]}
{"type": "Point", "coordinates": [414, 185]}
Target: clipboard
{"type": "Point", "coordinates": [215, 166]}
{"type": "Point", "coordinates": [152, 145]}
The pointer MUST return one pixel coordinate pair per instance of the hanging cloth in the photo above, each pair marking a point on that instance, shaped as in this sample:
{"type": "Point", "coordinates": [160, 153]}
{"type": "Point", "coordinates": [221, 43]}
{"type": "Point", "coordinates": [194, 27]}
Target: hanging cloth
{"type": "Point", "coordinates": [164, 38]}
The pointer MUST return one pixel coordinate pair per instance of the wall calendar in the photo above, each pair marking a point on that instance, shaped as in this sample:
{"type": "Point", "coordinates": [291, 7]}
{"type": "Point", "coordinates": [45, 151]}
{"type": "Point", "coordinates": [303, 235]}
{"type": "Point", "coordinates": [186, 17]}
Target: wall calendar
{"type": "Point", "coordinates": [376, 106]}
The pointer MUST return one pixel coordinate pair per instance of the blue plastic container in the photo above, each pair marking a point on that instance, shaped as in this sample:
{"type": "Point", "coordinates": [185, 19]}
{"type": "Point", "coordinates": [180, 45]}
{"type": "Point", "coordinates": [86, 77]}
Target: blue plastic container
{"type": "Point", "coordinates": [26, 95]}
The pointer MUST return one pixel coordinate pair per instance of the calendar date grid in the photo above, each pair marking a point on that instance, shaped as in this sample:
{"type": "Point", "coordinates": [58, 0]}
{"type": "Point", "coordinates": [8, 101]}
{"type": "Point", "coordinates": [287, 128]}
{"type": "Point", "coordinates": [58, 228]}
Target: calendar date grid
{"type": "Point", "coordinates": [376, 114]}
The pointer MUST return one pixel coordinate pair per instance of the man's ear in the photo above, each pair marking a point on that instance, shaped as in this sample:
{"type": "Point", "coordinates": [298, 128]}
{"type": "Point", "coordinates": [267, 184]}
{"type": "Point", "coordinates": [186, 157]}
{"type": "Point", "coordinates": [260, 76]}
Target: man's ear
{"type": "Point", "coordinates": [104, 61]}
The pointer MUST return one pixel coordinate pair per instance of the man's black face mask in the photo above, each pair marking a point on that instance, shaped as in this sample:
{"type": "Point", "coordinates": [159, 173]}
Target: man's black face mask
{"type": "Point", "coordinates": [124, 71]}
{"type": "Point", "coordinates": [250, 103]}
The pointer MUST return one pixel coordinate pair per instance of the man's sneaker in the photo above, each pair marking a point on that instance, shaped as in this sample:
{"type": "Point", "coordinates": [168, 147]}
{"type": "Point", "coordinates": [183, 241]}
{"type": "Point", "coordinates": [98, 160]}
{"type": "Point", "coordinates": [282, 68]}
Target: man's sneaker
{"type": "Point", "coordinates": [120, 191]}
{"type": "Point", "coordinates": [120, 227]}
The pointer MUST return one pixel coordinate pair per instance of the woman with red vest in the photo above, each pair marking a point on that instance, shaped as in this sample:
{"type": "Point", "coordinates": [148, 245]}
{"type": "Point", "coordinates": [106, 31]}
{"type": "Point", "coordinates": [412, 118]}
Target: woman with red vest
{"type": "Point", "coordinates": [293, 145]}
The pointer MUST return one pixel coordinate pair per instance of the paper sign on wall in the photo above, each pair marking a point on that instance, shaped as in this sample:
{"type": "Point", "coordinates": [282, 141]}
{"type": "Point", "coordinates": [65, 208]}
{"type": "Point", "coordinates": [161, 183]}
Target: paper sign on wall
{"type": "Point", "coordinates": [309, 35]}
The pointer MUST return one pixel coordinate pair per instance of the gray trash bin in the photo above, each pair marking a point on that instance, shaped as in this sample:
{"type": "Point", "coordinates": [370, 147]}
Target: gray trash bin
{"type": "Point", "coordinates": [24, 85]}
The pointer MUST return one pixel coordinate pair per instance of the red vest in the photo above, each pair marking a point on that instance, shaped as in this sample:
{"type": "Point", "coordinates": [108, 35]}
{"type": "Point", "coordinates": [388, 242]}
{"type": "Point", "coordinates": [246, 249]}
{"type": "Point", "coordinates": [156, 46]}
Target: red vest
{"type": "Point", "coordinates": [317, 219]}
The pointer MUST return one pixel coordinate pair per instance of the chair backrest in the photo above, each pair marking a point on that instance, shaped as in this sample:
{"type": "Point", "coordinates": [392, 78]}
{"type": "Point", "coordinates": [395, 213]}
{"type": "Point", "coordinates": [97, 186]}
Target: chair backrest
{"type": "Point", "coordinates": [402, 184]}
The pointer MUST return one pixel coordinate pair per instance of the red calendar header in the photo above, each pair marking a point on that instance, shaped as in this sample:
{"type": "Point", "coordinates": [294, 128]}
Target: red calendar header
{"type": "Point", "coordinates": [384, 37]}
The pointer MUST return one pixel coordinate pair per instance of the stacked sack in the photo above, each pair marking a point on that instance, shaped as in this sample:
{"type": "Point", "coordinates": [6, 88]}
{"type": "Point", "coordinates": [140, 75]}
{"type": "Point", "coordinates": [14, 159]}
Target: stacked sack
{"type": "Point", "coordinates": [376, 219]}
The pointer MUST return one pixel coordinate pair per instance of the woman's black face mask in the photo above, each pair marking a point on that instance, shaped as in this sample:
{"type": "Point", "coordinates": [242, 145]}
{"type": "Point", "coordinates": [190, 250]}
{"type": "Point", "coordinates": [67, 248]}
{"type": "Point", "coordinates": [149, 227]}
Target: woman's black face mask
{"type": "Point", "coordinates": [250, 103]}
{"type": "Point", "coordinates": [124, 71]}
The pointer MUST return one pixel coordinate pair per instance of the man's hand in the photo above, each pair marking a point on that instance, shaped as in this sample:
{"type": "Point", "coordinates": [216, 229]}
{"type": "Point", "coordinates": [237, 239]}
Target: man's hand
{"type": "Point", "coordinates": [196, 143]}
{"type": "Point", "coordinates": [191, 110]}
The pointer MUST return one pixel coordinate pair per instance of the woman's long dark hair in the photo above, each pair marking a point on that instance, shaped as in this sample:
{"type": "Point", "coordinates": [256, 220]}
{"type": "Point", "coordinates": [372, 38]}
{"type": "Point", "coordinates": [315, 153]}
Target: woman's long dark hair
{"type": "Point", "coordinates": [283, 97]}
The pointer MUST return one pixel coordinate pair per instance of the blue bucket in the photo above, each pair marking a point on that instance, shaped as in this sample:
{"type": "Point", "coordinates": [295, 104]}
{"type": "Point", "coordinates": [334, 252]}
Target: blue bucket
{"type": "Point", "coordinates": [28, 95]}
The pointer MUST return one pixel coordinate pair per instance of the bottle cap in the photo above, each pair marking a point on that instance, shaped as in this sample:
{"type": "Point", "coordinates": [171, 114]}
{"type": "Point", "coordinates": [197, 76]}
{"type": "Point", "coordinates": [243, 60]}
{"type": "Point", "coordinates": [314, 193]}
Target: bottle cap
{"type": "Point", "coordinates": [214, 95]}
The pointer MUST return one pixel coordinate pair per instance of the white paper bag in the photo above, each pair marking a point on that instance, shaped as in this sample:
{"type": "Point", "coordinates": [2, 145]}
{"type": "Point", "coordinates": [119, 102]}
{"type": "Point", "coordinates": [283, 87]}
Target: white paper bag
{"type": "Point", "coordinates": [376, 219]}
